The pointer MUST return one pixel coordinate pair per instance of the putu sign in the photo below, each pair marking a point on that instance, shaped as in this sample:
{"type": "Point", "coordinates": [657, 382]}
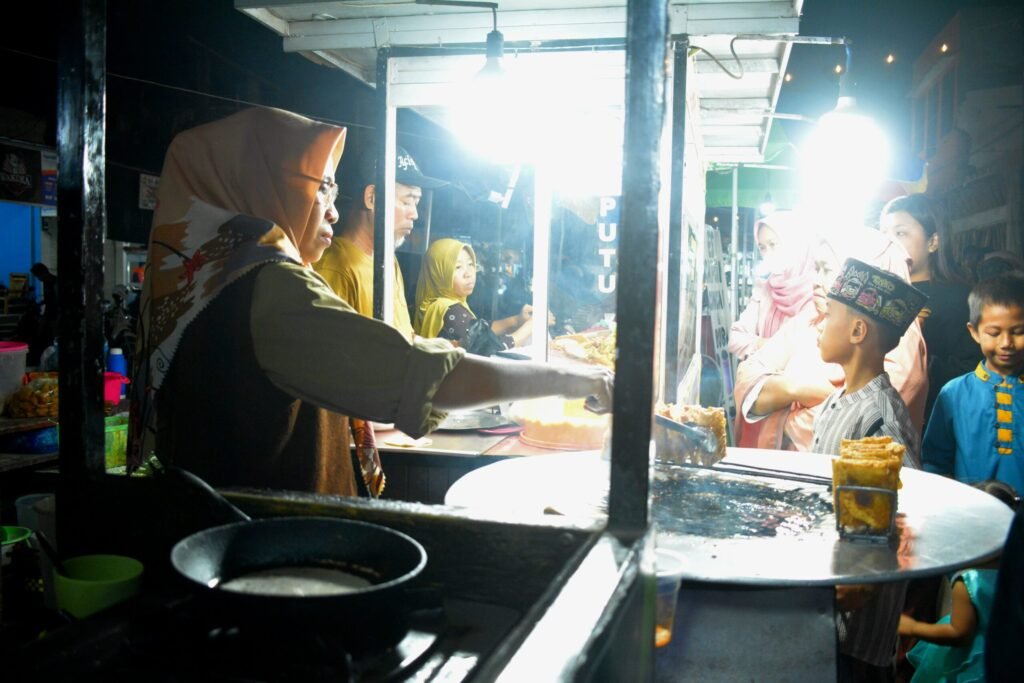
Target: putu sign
{"type": "Point", "coordinates": [607, 243]}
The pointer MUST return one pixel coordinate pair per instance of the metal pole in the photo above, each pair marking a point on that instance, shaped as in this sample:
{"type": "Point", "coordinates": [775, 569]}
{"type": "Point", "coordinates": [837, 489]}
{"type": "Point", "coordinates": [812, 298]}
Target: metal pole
{"type": "Point", "coordinates": [542, 201]}
{"type": "Point", "coordinates": [734, 280]}
{"type": "Point", "coordinates": [677, 221]}
{"type": "Point", "coordinates": [384, 187]}
{"type": "Point", "coordinates": [646, 47]}
{"type": "Point", "coordinates": [81, 227]}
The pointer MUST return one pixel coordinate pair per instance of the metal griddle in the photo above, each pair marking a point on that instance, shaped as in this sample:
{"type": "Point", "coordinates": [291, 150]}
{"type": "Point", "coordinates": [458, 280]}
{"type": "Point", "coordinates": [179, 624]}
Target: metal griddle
{"type": "Point", "coordinates": [945, 525]}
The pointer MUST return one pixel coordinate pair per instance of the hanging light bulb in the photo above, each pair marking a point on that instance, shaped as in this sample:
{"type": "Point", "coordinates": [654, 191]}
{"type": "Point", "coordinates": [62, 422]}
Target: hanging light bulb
{"type": "Point", "coordinates": [843, 160]}
{"type": "Point", "coordinates": [495, 51]}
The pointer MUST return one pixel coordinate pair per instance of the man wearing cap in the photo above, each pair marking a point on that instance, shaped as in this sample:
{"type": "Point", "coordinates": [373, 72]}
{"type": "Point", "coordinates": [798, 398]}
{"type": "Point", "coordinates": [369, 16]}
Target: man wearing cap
{"type": "Point", "coordinates": [347, 265]}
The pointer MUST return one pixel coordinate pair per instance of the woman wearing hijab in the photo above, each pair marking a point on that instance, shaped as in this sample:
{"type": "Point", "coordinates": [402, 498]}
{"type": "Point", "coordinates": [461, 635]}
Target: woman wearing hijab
{"type": "Point", "coordinates": [782, 385]}
{"type": "Point", "coordinates": [248, 361]}
{"type": "Point", "coordinates": [447, 278]}
{"type": "Point", "coordinates": [783, 292]}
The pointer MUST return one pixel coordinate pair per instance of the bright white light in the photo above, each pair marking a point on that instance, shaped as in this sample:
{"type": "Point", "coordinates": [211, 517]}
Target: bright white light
{"type": "Point", "coordinates": [542, 116]}
{"type": "Point", "coordinates": [766, 208]}
{"type": "Point", "coordinates": [492, 119]}
{"type": "Point", "coordinates": [842, 163]}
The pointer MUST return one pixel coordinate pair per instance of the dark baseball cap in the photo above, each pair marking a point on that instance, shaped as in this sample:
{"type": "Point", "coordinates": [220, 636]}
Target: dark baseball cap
{"type": "Point", "coordinates": [406, 171]}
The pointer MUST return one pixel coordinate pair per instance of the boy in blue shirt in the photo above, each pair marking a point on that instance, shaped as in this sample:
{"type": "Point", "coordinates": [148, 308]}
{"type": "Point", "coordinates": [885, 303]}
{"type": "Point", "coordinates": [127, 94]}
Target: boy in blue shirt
{"type": "Point", "coordinates": [976, 430]}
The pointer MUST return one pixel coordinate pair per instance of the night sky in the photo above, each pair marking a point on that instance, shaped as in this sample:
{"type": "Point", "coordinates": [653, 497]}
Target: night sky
{"type": "Point", "coordinates": [903, 28]}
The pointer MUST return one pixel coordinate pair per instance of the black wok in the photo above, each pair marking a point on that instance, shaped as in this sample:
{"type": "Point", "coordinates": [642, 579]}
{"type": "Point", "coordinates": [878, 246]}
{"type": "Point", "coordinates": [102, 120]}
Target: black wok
{"type": "Point", "coordinates": [370, 617]}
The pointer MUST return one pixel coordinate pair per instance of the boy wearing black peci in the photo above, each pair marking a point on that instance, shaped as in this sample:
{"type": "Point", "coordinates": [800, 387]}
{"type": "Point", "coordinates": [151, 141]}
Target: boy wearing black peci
{"type": "Point", "coordinates": [868, 311]}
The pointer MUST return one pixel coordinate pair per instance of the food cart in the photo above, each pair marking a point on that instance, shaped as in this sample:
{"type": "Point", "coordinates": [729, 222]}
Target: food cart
{"type": "Point", "coordinates": [552, 599]}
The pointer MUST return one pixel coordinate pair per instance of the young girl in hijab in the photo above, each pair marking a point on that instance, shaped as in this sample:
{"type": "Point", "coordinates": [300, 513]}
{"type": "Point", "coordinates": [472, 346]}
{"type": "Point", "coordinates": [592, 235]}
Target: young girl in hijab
{"type": "Point", "coordinates": [447, 278]}
{"type": "Point", "coordinates": [782, 293]}
{"type": "Point", "coordinates": [248, 362]}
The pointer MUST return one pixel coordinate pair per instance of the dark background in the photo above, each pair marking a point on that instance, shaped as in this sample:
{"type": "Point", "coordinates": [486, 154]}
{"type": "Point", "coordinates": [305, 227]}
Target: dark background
{"type": "Point", "coordinates": [174, 65]}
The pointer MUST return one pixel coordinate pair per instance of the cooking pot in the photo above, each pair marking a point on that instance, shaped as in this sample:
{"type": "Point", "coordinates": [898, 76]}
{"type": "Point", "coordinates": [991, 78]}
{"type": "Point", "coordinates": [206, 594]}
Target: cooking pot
{"type": "Point", "coordinates": [374, 615]}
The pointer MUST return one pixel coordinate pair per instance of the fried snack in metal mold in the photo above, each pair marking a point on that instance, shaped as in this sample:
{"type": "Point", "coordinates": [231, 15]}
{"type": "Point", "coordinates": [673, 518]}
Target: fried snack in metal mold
{"type": "Point", "coordinates": [673, 446]}
{"type": "Point", "coordinates": [873, 462]}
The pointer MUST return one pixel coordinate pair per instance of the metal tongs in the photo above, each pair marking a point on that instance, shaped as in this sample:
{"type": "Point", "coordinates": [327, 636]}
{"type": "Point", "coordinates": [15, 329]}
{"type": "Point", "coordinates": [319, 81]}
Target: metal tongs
{"type": "Point", "coordinates": [703, 440]}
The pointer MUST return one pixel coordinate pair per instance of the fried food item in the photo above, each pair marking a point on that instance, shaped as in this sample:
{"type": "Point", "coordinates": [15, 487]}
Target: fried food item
{"type": "Point", "coordinates": [39, 398]}
{"type": "Point", "coordinates": [672, 446]}
{"type": "Point", "coordinates": [559, 423]}
{"type": "Point", "coordinates": [874, 462]}
{"type": "Point", "coordinates": [592, 347]}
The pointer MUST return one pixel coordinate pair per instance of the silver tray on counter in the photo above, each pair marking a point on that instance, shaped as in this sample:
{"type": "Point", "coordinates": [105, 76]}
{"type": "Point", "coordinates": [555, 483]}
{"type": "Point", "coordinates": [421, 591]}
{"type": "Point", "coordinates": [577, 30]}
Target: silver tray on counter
{"type": "Point", "coordinates": [471, 420]}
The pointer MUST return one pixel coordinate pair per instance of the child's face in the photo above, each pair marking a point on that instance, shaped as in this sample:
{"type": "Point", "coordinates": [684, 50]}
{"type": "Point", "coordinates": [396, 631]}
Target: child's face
{"type": "Point", "coordinates": [834, 339]}
{"type": "Point", "coordinates": [1000, 334]}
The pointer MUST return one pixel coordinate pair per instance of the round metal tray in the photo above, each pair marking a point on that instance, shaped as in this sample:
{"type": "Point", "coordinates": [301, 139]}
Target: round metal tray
{"type": "Point", "coordinates": [471, 420]}
{"type": "Point", "coordinates": [943, 525]}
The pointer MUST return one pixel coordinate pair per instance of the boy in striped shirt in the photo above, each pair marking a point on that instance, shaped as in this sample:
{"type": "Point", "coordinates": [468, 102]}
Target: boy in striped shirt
{"type": "Point", "coordinates": [868, 311]}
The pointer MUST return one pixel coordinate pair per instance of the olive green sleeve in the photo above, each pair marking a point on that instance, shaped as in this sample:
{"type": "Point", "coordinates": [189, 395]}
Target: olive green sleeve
{"type": "Point", "coordinates": [314, 346]}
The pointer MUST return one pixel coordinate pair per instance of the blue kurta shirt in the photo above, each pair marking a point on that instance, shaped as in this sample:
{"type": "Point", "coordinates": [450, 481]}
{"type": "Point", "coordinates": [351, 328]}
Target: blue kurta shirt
{"type": "Point", "coordinates": [976, 430]}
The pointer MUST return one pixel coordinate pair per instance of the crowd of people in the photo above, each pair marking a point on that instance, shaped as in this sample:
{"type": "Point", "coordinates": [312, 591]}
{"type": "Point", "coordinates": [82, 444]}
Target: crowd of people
{"type": "Point", "coordinates": [291, 370]}
{"type": "Point", "coordinates": [900, 340]}
{"type": "Point", "coordinates": [260, 290]}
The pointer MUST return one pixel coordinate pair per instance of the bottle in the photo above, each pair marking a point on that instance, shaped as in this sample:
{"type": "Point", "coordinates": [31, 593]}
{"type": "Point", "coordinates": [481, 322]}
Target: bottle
{"type": "Point", "coordinates": [117, 363]}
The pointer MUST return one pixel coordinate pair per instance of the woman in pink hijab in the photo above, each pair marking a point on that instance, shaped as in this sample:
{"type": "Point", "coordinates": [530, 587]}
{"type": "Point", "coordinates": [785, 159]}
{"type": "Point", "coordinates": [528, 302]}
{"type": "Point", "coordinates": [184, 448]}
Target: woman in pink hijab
{"type": "Point", "coordinates": [782, 384]}
{"type": "Point", "coordinates": [785, 289]}
{"type": "Point", "coordinates": [784, 292]}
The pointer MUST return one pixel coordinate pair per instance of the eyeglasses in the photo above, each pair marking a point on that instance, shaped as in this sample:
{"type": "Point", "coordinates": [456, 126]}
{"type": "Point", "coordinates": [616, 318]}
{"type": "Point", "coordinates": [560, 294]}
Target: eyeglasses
{"type": "Point", "coordinates": [329, 189]}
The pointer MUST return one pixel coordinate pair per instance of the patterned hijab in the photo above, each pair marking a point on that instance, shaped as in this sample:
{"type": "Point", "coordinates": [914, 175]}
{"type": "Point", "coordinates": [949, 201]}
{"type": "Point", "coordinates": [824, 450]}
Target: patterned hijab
{"type": "Point", "coordinates": [435, 292]}
{"type": "Point", "coordinates": [234, 194]}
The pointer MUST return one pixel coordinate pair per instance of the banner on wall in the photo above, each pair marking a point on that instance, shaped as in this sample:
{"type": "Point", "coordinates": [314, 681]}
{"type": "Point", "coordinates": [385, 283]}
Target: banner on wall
{"type": "Point", "coordinates": [148, 185]}
{"type": "Point", "coordinates": [28, 175]}
{"type": "Point", "coordinates": [49, 168]}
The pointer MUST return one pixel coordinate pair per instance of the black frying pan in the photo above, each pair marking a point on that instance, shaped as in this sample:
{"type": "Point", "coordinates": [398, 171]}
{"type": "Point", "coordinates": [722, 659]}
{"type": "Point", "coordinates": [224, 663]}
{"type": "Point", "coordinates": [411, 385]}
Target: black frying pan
{"type": "Point", "coordinates": [374, 616]}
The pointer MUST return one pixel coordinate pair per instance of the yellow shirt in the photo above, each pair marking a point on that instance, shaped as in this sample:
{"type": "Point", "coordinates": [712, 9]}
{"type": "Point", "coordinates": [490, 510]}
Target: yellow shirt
{"type": "Point", "coordinates": [349, 271]}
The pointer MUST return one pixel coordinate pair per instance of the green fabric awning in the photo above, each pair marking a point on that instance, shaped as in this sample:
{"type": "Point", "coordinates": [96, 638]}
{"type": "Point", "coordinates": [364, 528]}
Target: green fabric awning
{"type": "Point", "coordinates": [756, 184]}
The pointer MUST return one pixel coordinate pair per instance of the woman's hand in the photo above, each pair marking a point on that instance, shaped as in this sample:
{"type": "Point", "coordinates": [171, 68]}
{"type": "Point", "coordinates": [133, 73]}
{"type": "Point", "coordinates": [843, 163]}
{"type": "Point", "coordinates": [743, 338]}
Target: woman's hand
{"type": "Point", "coordinates": [597, 384]}
{"type": "Point", "coordinates": [907, 625]}
{"type": "Point", "coordinates": [811, 393]}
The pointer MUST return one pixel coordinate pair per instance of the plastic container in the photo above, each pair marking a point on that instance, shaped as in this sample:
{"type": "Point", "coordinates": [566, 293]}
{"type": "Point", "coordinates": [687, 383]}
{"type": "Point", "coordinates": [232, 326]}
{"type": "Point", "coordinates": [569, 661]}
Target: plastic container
{"type": "Point", "coordinates": [116, 440]}
{"type": "Point", "coordinates": [40, 441]}
{"type": "Point", "coordinates": [116, 363]}
{"type": "Point", "coordinates": [25, 506]}
{"type": "Point", "coordinates": [669, 574]}
{"type": "Point", "coordinates": [12, 368]}
{"type": "Point", "coordinates": [96, 582]}
{"type": "Point", "coordinates": [113, 383]}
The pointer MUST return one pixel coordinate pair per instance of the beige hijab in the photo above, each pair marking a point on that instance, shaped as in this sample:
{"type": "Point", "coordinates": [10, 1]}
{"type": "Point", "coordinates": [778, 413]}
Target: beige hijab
{"type": "Point", "coordinates": [233, 194]}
